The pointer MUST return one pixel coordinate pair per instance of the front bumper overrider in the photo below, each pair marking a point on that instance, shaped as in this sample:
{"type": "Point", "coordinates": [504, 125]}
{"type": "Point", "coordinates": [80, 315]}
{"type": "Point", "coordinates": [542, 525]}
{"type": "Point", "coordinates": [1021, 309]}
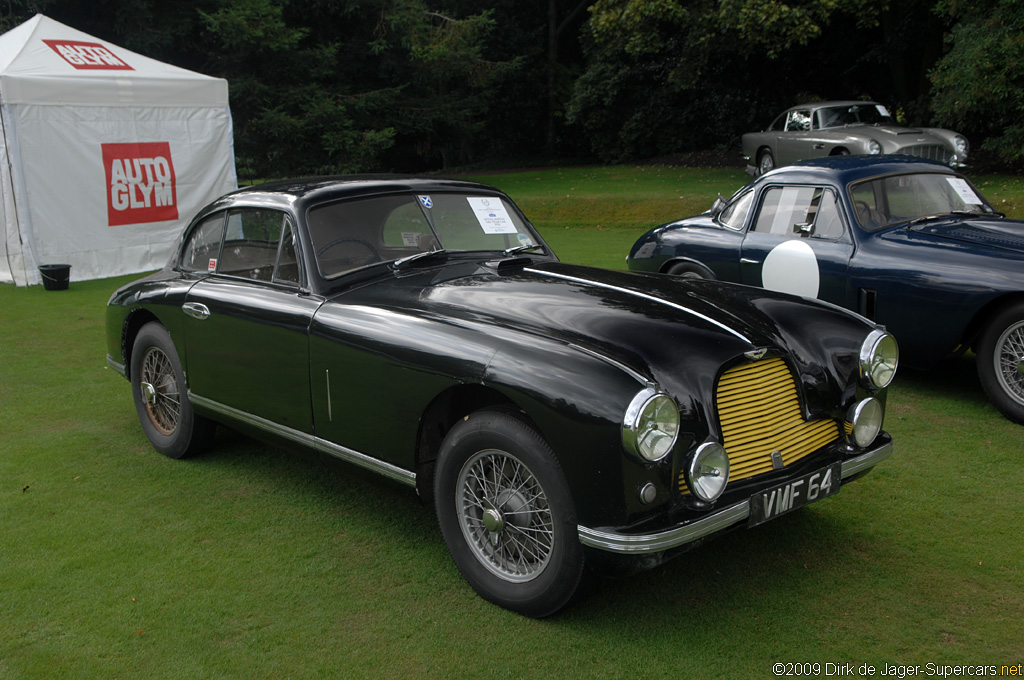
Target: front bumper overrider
{"type": "Point", "coordinates": [693, 530]}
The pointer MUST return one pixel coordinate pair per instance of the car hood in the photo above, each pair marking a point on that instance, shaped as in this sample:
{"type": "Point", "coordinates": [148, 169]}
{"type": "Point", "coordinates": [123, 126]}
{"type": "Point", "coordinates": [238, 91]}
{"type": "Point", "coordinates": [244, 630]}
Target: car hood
{"type": "Point", "coordinates": [680, 333]}
{"type": "Point", "coordinates": [992, 233]}
{"type": "Point", "coordinates": [895, 132]}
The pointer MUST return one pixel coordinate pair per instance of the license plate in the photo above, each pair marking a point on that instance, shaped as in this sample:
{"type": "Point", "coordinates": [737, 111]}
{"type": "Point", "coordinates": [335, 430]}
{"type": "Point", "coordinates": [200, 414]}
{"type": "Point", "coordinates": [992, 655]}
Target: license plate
{"type": "Point", "coordinates": [771, 503]}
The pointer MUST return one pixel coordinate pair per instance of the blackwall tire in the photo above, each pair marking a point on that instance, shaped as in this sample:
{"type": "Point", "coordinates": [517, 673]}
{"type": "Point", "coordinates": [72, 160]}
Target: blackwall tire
{"type": "Point", "coordinates": [161, 398]}
{"type": "Point", "coordinates": [687, 270]}
{"type": "Point", "coordinates": [506, 514]}
{"type": "Point", "coordinates": [1001, 361]}
{"type": "Point", "coordinates": [765, 162]}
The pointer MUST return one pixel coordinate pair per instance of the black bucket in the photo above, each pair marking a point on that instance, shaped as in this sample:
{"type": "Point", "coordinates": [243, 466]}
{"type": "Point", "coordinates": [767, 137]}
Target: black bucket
{"type": "Point", "coordinates": [55, 276]}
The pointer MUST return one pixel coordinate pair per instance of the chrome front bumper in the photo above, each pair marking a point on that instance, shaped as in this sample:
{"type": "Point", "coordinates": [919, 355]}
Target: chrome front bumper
{"type": "Point", "coordinates": [691, 531]}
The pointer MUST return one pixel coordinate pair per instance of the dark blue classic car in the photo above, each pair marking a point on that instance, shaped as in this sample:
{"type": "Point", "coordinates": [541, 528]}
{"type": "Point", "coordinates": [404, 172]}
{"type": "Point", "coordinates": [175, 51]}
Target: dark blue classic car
{"type": "Point", "coordinates": [910, 244]}
{"type": "Point", "coordinates": [557, 416]}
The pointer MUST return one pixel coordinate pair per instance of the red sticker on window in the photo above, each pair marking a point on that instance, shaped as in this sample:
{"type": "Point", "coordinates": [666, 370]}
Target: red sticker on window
{"type": "Point", "coordinates": [140, 183]}
{"type": "Point", "coordinates": [87, 55]}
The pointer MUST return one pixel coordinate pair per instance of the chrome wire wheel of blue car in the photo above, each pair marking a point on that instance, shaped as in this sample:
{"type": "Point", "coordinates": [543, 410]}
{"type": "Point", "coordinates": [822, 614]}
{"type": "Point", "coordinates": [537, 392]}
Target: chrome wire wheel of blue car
{"type": "Point", "coordinates": [506, 514]}
{"type": "Point", "coordinates": [1001, 361]}
{"type": "Point", "coordinates": [161, 401]}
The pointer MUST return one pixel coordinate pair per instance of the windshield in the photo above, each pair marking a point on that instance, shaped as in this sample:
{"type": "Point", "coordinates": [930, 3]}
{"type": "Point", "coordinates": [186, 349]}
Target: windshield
{"type": "Point", "coordinates": [901, 198]}
{"type": "Point", "coordinates": [348, 235]}
{"type": "Point", "coordinates": [856, 114]}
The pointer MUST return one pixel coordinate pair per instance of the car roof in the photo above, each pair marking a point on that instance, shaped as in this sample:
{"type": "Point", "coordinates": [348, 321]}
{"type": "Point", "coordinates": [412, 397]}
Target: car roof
{"type": "Point", "coordinates": [290, 192]}
{"type": "Point", "coordinates": [851, 168]}
{"type": "Point", "coordinates": [838, 102]}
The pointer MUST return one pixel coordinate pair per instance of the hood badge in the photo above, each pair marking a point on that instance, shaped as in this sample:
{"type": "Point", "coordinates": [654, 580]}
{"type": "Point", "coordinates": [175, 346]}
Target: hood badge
{"type": "Point", "coordinates": [756, 354]}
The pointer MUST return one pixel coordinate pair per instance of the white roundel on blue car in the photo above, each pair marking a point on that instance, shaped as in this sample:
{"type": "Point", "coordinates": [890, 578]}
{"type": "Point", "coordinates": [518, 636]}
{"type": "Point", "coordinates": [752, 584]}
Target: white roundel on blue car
{"type": "Point", "coordinates": [791, 267]}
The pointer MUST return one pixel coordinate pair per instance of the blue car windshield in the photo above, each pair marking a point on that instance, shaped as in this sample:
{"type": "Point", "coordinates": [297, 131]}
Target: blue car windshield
{"type": "Point", "coordinates": [353, 234]}
{"type": "Point", "coordinates": [896, 199]}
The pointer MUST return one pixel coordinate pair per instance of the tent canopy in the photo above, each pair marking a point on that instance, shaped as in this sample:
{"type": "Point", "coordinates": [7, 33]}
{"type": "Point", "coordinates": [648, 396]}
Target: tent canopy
{"type": "Point", "coordinates": [106, 153]}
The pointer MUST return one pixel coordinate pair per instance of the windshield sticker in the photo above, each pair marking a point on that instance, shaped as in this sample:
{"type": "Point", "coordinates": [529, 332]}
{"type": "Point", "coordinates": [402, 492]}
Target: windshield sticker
{"type": "Point", "coordinates": [491, 215]}
{"type": "Point", "coordinates": [882, 110]}
{"type": "Point", "coordinates": [964, 190]}
{"type": "Point", "coordinates": [411, 239]}
{"type": "Point", "coordinates": [426, 202]}
{"type": "Point", "coordinates": [211, 265]}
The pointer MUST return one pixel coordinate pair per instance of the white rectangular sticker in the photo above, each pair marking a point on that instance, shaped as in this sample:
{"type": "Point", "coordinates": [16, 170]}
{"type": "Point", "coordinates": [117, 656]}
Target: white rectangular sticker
{"type": "Point", "coordinates": [491, 215]}
{"type": "Point", "coordinates": [882, 110]}
{"type": "Point", "coordinates": [411, 239]}
{"type": "Point", "coordinates": [964, 191]}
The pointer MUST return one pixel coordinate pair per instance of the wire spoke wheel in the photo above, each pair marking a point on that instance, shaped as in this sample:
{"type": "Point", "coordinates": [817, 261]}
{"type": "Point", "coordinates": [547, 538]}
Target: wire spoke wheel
{"type": "Point", "coordinates": [504, 515]}
{"type": "Point", "coordinates": [160, 393]}
{"type": "Point", "coordinates": [1009, 361]}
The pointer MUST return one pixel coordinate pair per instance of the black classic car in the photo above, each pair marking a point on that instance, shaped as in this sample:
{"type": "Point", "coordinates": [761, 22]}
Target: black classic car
{"type": "Point", "coordinates": [908, 243]}
{"type": "Point", "coordinates": [557, 416]}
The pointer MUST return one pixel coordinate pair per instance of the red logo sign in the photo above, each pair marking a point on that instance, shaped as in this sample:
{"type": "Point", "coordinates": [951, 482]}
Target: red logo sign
{"type": "Point", "coordinates": [87, 55]}
{"type": "Point", "coordinates": [140, 183]}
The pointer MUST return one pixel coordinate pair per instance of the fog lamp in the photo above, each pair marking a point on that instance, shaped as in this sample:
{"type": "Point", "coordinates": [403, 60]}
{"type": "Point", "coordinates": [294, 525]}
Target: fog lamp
{"type": "Point", "coordinates": [709, 471]}
{"type": "Point", "coordinates": [866, 420]}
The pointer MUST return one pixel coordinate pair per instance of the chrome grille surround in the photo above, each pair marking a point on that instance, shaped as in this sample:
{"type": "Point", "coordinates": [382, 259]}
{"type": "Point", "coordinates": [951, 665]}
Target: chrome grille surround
{"type": "Point", "coordinates": [933, 152]}
{"type": "Point", "coordinates": [759, 415]}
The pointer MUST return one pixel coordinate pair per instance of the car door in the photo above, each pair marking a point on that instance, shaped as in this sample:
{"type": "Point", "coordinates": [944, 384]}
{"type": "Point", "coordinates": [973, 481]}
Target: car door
{"type": "Point", "coordinates": [247, 322]}
{"type": "Point", "coordinates": [795, 142]}
{"type": "Point", "coordinates": [798, 242]}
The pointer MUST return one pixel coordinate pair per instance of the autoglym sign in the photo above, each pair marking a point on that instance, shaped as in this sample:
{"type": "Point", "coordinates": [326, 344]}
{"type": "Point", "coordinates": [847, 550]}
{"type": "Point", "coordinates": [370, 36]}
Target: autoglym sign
{"type": "Point", "coordinates": [87, 55]}
{"type": "Point", "coordinates": [140, 183]}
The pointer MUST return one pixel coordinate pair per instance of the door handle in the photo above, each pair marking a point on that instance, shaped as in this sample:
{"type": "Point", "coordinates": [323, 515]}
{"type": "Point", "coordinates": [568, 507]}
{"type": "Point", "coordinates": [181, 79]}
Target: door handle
{"type": "Point", "coordinates": [196, 310]}
{"type": "Point", "coordinates": [747, 260]}
{"type": "Point", "coordinates": [819, 146]}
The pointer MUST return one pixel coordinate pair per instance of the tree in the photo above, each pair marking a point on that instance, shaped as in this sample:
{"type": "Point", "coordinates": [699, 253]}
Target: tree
{"type": "Point", "coordinates": [979, 83]}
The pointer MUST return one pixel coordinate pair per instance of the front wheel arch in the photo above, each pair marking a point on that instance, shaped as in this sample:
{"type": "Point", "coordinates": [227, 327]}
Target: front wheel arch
{"type": "Point", "coordinates": [687, 267]}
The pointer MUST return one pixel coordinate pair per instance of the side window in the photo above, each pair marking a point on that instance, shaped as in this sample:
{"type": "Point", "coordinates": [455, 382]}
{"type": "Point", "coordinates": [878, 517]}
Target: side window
{"type": "Point", "coordinates": [779, 124]}
{"type": "Point", "coordinates": [795, 212]}
{"type": "Point", "coordinates": [287, 270]}
{"type": "Point", "coordinates": [202, 246]}
{"type": "Point", "coordinates": [251, 243]}
{"type": "Point", "coordinates": [735, 214]}
{"type": "Point", "coordinates": [799, 120]}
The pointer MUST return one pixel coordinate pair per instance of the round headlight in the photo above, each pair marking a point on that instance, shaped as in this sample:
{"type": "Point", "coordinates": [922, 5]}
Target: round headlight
{"type": "Point", "coordinates": [874, 147]}
{"type": "Point", "coordinates": [866, 420]}
{"type": "Point", "coordinates": [879, 357]}
{"type": "Point", "coordinates": [709, 471]}
{"type": "Point", "coordinates": [961, 146]}
{"type": "Point", "coordinates": [650, 425]}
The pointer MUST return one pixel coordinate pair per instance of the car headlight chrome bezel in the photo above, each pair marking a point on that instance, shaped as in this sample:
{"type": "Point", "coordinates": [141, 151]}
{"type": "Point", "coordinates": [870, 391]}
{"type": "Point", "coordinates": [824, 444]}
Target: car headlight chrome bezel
{"type": "Point", "coordinates": [961, 145]}
{"type": "Point", "coordinates": [650, 426]}
{"type": "Point", "coordinates": [879, 358]}
{"type": "Point", "coordinates": [708, 472]}
{"type": "Point", "coordinates": [865, 420]}
{"type": "Point", "coordinates": [874, 148]}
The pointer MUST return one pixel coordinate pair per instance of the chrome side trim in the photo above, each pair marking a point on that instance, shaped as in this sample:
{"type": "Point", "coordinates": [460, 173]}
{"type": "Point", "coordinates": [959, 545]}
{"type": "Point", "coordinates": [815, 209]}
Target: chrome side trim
{"type": "Point", "coordinates": [639, 377]}
{"type": "Point", "coordinates": [665, 540]}
{"type": "Point", "coordinates": [349, 455]}
{"type": "Point", "coordinates": [644, 296]}
{"type": "Point", "coordinates": [723, 519]}
{"type": "Point", "coordinates": [866, 461]}
{"type": "Point", "coordinates": [116, 365]}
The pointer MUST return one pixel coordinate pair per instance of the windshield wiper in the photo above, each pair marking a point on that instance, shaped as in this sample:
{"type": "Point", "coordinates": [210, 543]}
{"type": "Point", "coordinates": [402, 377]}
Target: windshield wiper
{"type": "Point", "coordinates": [397, 264]}
{"type": "Point", "coordinates": [519, 249]}
{"type": "Point", "coordinates": [939, 216]}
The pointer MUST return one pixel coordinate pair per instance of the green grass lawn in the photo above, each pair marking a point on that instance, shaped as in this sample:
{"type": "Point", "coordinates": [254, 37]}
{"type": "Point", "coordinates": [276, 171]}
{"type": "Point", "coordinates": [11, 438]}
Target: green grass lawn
{"type": "Point", "coordinates": [116, 562]}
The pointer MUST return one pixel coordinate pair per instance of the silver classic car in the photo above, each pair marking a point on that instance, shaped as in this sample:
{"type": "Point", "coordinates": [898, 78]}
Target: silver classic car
{"type": "Point", "coordinates": [845, 127]}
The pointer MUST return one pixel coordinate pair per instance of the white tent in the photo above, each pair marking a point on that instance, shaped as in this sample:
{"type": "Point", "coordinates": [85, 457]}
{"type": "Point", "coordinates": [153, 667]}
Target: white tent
{"type": "Point", "coordinates": [104, 153]}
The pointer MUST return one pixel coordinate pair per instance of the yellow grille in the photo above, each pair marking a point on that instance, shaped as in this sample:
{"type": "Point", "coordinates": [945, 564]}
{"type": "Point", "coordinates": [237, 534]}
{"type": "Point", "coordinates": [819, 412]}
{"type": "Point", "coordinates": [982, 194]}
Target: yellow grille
{"type": "Point", "coordinates": [759, 413]}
